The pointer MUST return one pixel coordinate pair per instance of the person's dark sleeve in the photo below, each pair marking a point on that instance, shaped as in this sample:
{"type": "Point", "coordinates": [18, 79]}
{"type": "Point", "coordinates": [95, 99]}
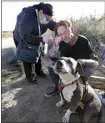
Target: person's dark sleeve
{"type": "Point", "coordinates": [51, 25]}
{"type": "Point", "coordinates": [90, 51]}
{"type": "Point", "coordinates": [93, 56]}
{"type": "Point", "coordinates": [25, 30]}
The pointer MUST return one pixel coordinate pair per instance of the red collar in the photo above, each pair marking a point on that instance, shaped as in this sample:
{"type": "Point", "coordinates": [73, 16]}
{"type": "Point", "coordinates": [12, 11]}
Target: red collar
{"type": "Point", "coordinates": [61, 85]}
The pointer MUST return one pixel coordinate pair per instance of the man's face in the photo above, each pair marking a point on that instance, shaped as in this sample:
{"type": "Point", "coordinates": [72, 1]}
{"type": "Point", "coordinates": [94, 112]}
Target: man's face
{"type": "Point", "coordinates": [64, 33]}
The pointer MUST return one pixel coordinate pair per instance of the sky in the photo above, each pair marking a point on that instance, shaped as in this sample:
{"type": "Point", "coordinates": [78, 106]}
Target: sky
{"type": "Point", "coordinates": [62, 10]}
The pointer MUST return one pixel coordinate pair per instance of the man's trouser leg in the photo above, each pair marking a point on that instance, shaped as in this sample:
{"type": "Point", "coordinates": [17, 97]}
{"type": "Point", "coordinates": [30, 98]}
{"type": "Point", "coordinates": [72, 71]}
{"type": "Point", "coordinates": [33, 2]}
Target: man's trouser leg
{"type": "Point", "coordinates": [54, 77]}
{"type": "Point", "coordinates": [28, 72]}
{"type": "Point", "coordinates": [88, 72]}
{"type": "Point", "coordinates": [38, 67]}
{"type": "Point", "coordinates": [55, 80]}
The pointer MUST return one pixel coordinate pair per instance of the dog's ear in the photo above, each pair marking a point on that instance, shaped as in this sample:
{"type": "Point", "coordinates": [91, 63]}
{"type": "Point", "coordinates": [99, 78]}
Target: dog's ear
{"type": "Point", "coordinates": [79, 69]}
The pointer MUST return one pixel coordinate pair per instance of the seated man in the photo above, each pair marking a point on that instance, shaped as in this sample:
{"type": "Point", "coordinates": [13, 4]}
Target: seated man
{"type": "Point", "coordinates": [75, 46]}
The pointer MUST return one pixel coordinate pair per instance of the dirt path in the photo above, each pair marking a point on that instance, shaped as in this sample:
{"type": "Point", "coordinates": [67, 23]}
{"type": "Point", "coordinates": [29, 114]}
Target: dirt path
{"type": "Point", "coordinates": [21, 101]}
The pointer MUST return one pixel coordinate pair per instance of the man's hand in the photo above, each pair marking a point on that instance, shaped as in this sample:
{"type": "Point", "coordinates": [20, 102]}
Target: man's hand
{"type": "Point", "coordinates": [88, 62]}
{"type": "Point", "coordinates": [57, 40]}
{"type": "Point", "coordinates": [81, 61]}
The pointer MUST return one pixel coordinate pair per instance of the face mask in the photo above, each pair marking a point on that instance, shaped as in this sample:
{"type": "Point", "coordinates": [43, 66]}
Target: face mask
{"type": "Point", "coordinates": [44, 21]}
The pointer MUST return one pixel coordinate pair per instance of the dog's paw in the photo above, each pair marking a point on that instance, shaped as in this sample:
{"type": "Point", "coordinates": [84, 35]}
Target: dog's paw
{"type": "Point", "coordinates": [66, 117]}
{"type": "Point", "coordinates": [60, 103]}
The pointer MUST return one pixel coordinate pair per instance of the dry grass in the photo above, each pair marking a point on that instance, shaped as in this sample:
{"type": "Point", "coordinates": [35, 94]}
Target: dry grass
{"type": "Point", "coordinates": [6, 34]}
{"type": "Point", "coordinates": [12, 74]}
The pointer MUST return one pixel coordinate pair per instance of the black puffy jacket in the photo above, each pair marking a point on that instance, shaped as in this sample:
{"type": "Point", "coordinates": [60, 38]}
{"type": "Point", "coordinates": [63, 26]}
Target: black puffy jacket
{"type": "Point", "coordinates": [26, 32]}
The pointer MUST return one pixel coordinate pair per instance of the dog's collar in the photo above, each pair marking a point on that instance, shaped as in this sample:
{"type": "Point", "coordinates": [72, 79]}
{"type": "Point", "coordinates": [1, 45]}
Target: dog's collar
{"type": "Point", "coordinates": [61, 85]}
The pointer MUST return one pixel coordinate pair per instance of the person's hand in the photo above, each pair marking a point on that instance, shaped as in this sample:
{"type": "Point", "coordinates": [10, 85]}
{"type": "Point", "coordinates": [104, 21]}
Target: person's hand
{"type": "Point", "coordinates": [74, 30]}
{"type": "Point", "coordinates": [57, 40]}
{"type": "Point", "coordinates": [81, 61]}
{"type": "Point", "coordinates": [46, 38]}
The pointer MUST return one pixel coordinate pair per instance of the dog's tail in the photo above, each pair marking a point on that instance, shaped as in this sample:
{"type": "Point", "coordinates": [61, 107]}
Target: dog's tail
{"type": "Point", "coordinates": [99, 116]}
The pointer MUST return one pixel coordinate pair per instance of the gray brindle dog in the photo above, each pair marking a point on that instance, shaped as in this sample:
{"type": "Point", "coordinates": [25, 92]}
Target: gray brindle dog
{"type": "Point", "coordinates": [74, 90]}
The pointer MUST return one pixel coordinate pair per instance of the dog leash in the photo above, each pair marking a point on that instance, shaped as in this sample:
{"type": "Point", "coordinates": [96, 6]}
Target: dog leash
{"type": "Point", "coordinates": [61, 86]}
{"type": "Point", "coordinates": [85, 89]}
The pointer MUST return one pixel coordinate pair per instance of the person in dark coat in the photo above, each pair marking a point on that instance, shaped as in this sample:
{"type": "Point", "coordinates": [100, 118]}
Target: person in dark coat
{"type": "Point", "coordinates": [72, 45]}
{"type": "Point", "coordinates": [32, 21]}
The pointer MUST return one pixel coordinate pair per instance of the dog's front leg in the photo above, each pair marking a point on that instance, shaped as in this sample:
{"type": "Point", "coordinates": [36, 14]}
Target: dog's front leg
{"type": "Point", "coordinates": [66, 117]}
{"type": "Point", "coordinates": [61, 102]}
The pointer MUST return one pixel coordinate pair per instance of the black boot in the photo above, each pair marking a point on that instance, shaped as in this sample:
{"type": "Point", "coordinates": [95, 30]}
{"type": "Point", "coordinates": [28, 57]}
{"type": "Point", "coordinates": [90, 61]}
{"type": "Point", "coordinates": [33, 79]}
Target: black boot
{"type": "Point", "coordinates": [41, 74]}
{"type": "Point", "coordinates": [52, 91]}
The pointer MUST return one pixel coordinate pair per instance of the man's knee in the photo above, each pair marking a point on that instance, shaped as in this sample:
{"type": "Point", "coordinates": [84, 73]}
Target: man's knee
{"type": "Point", "coordinates": [54, 76]}
{"type": "Point", "coordinates": [88, 71]}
